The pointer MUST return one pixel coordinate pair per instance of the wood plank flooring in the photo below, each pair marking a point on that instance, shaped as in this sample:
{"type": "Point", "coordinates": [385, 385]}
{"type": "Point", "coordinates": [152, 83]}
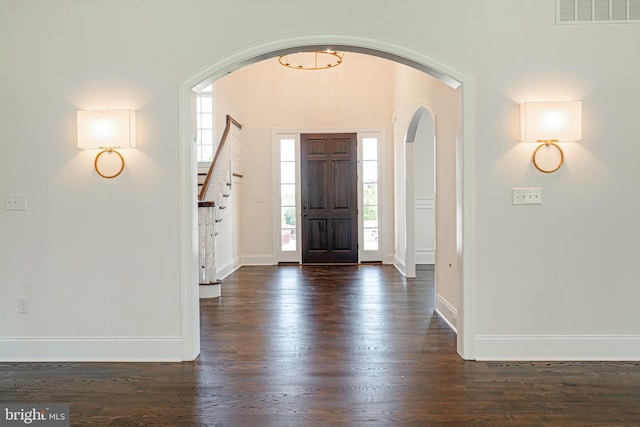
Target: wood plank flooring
{"type": "Point", "coordinates": [329, 345]}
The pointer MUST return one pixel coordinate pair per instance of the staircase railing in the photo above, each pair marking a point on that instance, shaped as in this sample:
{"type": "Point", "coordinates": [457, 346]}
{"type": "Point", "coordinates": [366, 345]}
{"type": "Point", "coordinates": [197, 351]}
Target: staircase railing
{"type": "Point", "coordinates": [210, 212]}
{"type": "Point", "coordinates": [207, 181]}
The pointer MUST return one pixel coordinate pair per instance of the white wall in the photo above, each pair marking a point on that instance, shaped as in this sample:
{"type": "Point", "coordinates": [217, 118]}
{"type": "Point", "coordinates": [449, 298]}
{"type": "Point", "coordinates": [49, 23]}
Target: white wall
{"type": "Point", "coordinates": [100, 259]}
{"type": "Point", "coordinates": [425, 230]}
{"type": "Point", "coordinates": [415, 90]}
{"type": "Point", "coordinates": [424, 190]}
{"type": "Point", "coordinates": [425, 156]}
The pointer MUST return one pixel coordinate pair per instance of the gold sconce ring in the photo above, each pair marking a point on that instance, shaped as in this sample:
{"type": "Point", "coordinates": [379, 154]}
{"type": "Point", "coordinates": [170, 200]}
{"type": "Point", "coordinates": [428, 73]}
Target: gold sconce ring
{"type": "Point", "coordinates": [108, 150]}
{"type": "Point", "coordinates": [547, 143]}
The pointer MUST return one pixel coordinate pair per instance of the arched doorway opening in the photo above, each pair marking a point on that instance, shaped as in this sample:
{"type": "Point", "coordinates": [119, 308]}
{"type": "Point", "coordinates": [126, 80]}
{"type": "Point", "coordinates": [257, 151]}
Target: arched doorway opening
{"type": "Point", "coordinates": [420, 147]}
{"type": "Point", "coordinates": [464, 168]}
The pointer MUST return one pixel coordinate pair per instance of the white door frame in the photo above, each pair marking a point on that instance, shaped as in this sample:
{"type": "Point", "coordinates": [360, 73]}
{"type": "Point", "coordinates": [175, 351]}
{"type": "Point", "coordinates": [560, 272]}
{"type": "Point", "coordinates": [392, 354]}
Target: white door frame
{"type": "Point", "coordinates": [296, 256]}
{"type": "Point", "coordinates": [465, 165]}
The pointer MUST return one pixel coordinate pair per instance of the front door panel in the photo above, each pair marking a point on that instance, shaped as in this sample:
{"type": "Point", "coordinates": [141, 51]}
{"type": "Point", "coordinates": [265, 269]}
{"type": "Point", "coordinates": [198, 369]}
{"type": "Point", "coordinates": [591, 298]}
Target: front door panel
{"type": "Point", "coordinates": [329, 198]}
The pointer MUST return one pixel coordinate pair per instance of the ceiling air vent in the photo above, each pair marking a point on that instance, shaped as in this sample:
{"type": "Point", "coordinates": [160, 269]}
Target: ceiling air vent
{"type": "Point", "coordinates": [597, 11]}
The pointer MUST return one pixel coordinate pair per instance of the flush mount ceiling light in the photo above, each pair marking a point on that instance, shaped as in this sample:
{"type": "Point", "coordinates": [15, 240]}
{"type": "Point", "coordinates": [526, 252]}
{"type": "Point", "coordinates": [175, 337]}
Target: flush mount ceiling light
{"type": "Point", "coordinates": [312, 60]}
{"type": "Point", "coordinates": [549, 123]}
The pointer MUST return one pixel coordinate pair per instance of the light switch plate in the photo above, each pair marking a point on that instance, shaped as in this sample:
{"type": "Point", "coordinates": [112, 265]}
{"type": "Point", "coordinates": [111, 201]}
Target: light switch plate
{"type": "Point", "coordinates": [526, 196]}
{"type": "Point", "coordinates": [15, 202]}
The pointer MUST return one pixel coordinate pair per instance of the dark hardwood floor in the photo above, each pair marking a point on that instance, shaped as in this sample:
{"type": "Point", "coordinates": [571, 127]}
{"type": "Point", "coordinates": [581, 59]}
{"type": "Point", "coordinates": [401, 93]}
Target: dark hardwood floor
{"type": "Point", "coordinates": [329, 345]}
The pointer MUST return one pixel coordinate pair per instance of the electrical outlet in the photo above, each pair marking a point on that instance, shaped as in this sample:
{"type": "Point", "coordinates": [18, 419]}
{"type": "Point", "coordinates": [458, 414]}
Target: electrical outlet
{"type": "Point", "coordinates": [23, 305]}
{"type": "Point", "coordinates": [526, 196]}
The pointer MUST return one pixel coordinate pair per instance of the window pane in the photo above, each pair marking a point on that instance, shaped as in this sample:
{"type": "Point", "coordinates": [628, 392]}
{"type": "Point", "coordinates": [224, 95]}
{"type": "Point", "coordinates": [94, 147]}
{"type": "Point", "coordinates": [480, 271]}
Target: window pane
{"type": "Point", "coordinates": [288, 239]}
{"type": "Point", "coordinates": [205, 121]}
{"type": "Point", "coordinates": [287, 150]}
{"type": "Point", "coordinates": [288, 195]}
{"type": "Point", "coordinates": [370, 239]}
{"type": "Point", "coordinates": [288, 219]}
{"type": "Point", "coordinates": [370, 171]}
{"type": "Point", "coordinates": [204, 127]}
{"type": "Point", "coordinates": [370, 224]}
{"type": "Point", "coordinates": [206, 137]}
{"type": "Point", "coordinates": [205, 104]}
{"type": "Point", "coordinates": [288, 172]}
{"type": "Point", "coordinates": [370, 196]}
{"type": "Point", "coordinates": [370, 214]}
{"type": "Point", "coordinates": [369, 148]}
{"type": "Point", "coordinates": [205, 153]}
{"type": "Point", "coordinates": [370, 193]}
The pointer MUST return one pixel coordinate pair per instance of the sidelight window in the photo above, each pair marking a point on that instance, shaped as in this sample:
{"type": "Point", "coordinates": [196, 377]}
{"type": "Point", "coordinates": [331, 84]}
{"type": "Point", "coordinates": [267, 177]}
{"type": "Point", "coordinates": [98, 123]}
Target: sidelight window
{"type": "Point", "coordinates": [370, 198]}
{"type": "Point", "coordinates": [288, 241]}
{"type": "Point", "coordinates": [204, 124]}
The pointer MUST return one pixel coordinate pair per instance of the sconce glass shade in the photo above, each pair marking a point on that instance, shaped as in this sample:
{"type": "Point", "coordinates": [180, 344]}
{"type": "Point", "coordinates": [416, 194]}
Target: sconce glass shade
{"type": "Point", "coordinates": [107, 129]}
{"type": "Point", "coordinates": [548, 123]}
{"type": "Point", "coordinates": [551, 121]}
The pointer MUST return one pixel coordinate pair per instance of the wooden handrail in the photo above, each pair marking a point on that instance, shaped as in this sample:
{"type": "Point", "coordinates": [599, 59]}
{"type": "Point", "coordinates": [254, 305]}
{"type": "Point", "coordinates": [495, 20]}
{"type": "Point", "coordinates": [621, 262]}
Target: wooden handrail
{"type": "Point", "coordinates": [223, 140]}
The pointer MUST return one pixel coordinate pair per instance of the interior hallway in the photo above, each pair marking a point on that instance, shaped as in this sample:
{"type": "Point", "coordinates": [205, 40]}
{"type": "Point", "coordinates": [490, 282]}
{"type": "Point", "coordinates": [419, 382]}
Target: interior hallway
{"type": "Point", "coordinates": [313, 345]}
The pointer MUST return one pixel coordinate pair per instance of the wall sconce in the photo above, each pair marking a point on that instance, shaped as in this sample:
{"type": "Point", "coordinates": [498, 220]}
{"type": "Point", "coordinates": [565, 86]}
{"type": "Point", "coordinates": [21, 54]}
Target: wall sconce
{"type": "Point", "coordinates": [549, 123]}
{"type": "Point", "coordinates": [106, 131]}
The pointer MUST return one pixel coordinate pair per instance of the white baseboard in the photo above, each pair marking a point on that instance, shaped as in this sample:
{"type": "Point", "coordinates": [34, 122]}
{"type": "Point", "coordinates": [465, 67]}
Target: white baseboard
{"type": "Point", "coordinates": [400, 266]}
{"type": "Point", "coordinates": [558, 347]}
{"type": "Point", "coordinates": [226, 269]}
{"type": "Point", "coordinates": [447, 312]}
{"type": "Point", "coordinates": [425, 256]}
{"type": "Point", "coordinates": [258, 260]}
{"type": "Point", "coordinates": [86, 349]}
{"type": "Point", "coordinates": [389, 259]}
{"type": "Point", "coordinates": [209, 291]}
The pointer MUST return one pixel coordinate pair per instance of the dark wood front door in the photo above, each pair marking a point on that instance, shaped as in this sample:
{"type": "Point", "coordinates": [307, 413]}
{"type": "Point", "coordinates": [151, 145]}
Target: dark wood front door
{"type": "Point", "coordinates": [329, 198]}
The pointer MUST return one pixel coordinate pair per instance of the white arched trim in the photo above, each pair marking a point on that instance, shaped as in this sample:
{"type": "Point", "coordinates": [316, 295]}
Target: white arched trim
{"type": "Point", "coordinates": [190, 316]}
{"type": "Point", "coordinates": [412, 129]}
